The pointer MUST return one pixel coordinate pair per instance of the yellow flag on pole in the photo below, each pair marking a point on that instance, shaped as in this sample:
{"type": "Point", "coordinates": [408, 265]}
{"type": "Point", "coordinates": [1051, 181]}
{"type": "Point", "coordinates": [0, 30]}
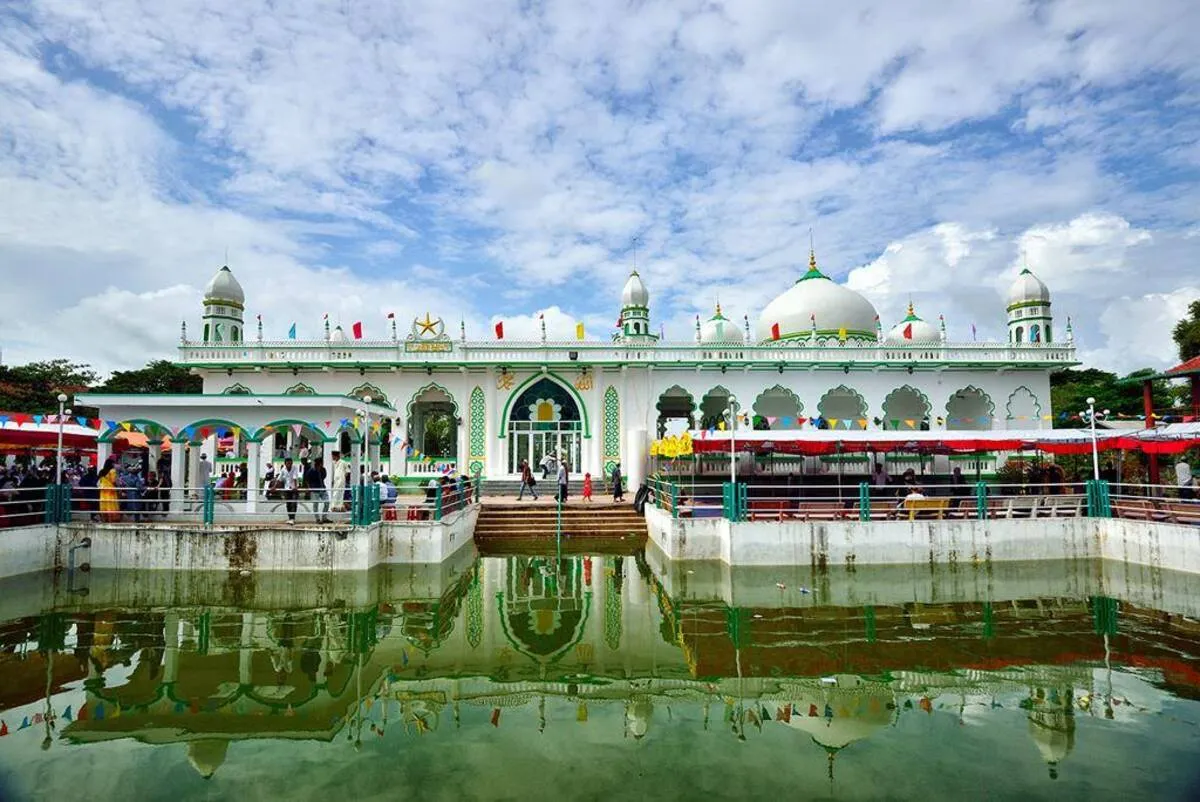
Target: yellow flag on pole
{"type": "Point", "coordinates": [578, 331]}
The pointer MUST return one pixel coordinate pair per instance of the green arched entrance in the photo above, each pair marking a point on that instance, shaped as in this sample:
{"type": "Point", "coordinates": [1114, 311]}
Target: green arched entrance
{"type": "Point", "coordinates": [544, 419]}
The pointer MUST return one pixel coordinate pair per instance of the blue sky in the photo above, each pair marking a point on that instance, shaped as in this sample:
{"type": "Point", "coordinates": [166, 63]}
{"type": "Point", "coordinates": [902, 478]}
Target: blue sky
{"type": "Point", "coordinates": [499, 159]}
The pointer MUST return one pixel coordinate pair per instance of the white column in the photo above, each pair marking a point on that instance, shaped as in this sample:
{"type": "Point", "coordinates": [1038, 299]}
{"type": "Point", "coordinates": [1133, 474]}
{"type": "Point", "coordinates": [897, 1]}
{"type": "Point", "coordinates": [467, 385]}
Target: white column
{"type": "Point", "coordinates": [179, 452]}
{"type": "Point", "coordinates": [193, 467]}
{"type": "Point", "coordinates": [103, 452]}
{"type": "Point", "coordinates": [253, 467]}
{"type": "Point", "coordinates": [268, 450]}
{"type": "Point", "coordinates": [635, 454]}
{"type": "Point", "coordinates": [210, 448]}
{"type": "Point", "coordinates": [327, 450]}
{"type": "Point", "coordinates": [463, 444]}
{"type": "Point", "coordinates": [355, 461]}
{"type": "Point", "coordinates": [154, 448]}
{"type": "Point", "coordinates": [494, 456]}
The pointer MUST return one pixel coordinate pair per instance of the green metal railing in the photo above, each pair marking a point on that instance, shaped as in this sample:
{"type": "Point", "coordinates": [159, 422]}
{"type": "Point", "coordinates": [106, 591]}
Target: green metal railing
{"type": "Point", "coordinates": [1099, 504]}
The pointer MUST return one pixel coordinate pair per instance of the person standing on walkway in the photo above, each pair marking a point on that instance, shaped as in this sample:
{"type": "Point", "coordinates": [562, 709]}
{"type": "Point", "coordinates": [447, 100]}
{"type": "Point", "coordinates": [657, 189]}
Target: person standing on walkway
{"type": "Point", "coordinates": [618, 486]}
{"type": "Point", "coordinates": [527, 481]}
{"type": "Point", "coordinates": [204, 475]}
{"type": "Point", "coordinates": [290, 479]}
{"type": "Point", "coordinates": [338, 482]}
{"type": "Point", "coordinates": [314, 480]}
{"type": "Point", "coordinates": [587, 487]}
{"type": "Point", "coordinates": [562, 482]}
{"type": "Point", "coordinates": [547, 465]}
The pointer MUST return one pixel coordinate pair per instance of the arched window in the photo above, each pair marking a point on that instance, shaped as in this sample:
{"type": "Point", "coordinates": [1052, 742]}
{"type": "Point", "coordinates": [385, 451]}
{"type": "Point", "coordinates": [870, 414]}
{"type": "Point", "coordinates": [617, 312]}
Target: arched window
{"type": "Point", "coordinates": [1035, 333]}
{"type": "Point", "coordinates": [1020, 333]}
{"type": "Point", "coordinates": [205, 332]}
{"type": "Point", "coordinates": [1049, 339]}
{"type": "Point", "coordinates": [236, 335]}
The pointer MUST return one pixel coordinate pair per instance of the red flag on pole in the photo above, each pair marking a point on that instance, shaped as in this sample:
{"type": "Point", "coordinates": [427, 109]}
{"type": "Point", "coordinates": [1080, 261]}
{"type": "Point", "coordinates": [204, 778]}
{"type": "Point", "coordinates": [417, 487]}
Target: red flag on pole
{"type": "Point", "coordinates": [500, 330]}
{"type": "Point", "coordinates": [391, 316]}
{"type": "Point", "coordinates": [357, 330]}
{"type": "Point", "coordinates": [774, 331]}
{"type": "Point", "coordinates": [908, 332]}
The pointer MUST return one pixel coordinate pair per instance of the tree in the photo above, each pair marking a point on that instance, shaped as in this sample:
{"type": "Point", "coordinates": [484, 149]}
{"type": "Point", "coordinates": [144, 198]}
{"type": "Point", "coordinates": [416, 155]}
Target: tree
{"type": "Point", "coordinates": [1187, 333]}
{"type": "Point", "coordinates": [34, 388]}
{"type": "Point", "coordinates": [159, 376]}
{"type": "Point", "coordinates": [1070, 389]}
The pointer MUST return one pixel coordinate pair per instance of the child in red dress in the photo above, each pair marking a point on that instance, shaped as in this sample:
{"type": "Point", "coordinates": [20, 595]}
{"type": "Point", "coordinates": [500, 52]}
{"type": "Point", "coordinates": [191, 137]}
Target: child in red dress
{"type": "Point", "coordinates": [587, 487]}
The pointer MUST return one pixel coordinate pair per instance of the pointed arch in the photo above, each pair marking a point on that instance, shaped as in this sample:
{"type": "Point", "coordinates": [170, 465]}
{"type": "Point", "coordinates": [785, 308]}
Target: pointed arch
{"type": "Point", "coordinates": [713, 406]}
{"type": "Point", "coordinates": [781, 405]}
{"type": "Point", "coordinates": [843, 403]}
{"type": "Point", "coordinates": [431, 387]}
{"type": "Point", "coordinates": [237, 389]}
{"type": "Point", "coordinates": [502, 428]}
{"type": "Point", "coordinates": [300, 389]}
{"type": "Point", "coordinates": [969, 409]}
{"type": "Point", "coordinates": [366, 388]}
{"type": "Point", "coordinates": [905, 408]}
{"type": "Point", "coordinates": [674, 403]}
{"type": "Point", "coordinates": [214, 424]}
{"type": "Point", "coordinates": [1023, 405]}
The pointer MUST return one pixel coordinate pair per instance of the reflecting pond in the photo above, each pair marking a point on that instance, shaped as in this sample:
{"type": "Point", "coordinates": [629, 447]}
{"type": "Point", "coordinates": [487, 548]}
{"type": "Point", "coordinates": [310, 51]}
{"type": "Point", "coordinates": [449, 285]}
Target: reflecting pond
{"type": "Point", "coordinates": [603, 676]}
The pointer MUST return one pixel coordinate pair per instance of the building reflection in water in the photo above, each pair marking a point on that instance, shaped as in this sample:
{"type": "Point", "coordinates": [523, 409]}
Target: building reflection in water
{"type": "Point", "coordinates": [586, 632]}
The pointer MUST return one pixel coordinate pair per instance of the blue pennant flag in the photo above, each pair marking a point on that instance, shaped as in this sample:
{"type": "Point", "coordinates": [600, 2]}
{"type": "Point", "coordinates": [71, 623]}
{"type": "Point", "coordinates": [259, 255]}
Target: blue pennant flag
{"type": "Point", "coordinates": [38, 418]}
{"type": "Point", "coordinates": [81, 421]}
{"type": "Point", "coordinates": [67, 713]}
{"type": "Point", "coordinates": [292, 332]}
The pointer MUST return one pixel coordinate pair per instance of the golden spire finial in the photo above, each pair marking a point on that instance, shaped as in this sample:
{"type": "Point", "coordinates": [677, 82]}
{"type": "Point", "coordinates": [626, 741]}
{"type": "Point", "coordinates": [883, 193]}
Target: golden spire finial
{"type": "Point", "coordinates": [718, 308]}
{"type": "Point", "coordinates": [911, 311]}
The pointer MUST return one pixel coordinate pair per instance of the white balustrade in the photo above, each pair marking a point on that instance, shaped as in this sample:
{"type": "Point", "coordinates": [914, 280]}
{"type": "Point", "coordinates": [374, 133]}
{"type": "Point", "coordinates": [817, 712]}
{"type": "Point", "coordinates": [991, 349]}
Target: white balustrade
{"type": "Point", "coordinates": [536, 353]}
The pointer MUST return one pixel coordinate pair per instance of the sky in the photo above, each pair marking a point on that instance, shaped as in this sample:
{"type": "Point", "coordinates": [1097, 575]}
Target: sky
{"type": "Point", "coordinates": [486, 160]}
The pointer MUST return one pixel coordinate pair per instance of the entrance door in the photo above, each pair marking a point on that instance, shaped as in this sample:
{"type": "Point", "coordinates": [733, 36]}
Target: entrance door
{"type": "Point", "coordinates": [545, 419]}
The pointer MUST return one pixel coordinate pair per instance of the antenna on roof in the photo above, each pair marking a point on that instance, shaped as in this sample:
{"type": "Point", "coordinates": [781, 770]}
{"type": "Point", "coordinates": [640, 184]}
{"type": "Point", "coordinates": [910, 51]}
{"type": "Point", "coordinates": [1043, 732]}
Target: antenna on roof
{"type": "Point", "coordinates": [226, 262]}
{"type": "Point", "coordinates": [635, 244]}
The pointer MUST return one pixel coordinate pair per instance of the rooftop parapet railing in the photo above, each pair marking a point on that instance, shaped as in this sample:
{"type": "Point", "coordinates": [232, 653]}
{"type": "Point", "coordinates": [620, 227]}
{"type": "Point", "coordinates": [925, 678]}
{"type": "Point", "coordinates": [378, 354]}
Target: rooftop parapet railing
{"type": "Point", "coordinates": [591, 352]}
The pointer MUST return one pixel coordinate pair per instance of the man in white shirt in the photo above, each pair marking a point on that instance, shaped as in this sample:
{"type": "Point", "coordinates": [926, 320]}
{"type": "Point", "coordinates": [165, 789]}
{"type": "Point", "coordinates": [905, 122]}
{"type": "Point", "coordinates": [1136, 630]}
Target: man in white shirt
{"type": "Point", "coordinates": [204, 474]}
{"type": "Point", "coordinates": [337, 482]}
{"type": "Point", "coordinates": [1184, 479]}
{"type": "Point", "coordinates": [289, 477]}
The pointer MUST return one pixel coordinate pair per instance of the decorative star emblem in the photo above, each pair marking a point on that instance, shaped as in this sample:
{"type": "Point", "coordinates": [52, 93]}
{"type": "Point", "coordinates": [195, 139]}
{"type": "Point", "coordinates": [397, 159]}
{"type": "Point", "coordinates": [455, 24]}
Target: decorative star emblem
{"type": "Point", "coordinates": [429, 324]}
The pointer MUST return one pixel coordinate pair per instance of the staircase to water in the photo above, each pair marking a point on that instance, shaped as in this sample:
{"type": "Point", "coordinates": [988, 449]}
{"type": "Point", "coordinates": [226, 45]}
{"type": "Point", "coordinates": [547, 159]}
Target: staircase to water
{"type": "Point", "coordinates": [510, 525]}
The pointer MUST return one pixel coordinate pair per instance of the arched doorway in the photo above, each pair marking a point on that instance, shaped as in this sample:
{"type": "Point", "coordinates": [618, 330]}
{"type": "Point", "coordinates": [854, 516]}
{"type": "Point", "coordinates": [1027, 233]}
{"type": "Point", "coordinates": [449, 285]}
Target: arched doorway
{"type": "Point", "coordinates": [433, 423]}
{"type": "Point", "coordinates": [674, 404]}
{"type": "Point", "coordinates": [545, 419]}
{"type": "Point", "coordinates": [843, 408]}
{"type": "Point", "coordinates": [714, 408]}
{"type": "Point", "coordinates": [905, 408]}
{"type": "Point", "coordinates": [777, 408]}
{"type": "Point", "coordinates": [969, 409]}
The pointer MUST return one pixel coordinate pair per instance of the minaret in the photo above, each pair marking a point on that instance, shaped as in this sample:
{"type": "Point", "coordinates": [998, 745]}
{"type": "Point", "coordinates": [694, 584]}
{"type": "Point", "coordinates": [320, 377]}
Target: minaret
{"type": "Point", "coordinates": [635, 312]}
{"type": "Point", "coordinates": [224, 306]}
{"type": "Point", "coordinates": [1029, 317]}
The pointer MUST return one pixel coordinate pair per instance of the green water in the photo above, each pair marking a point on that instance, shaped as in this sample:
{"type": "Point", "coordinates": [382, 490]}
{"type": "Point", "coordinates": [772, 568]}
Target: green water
{"type": "Point", "coordinates": [603, 677]}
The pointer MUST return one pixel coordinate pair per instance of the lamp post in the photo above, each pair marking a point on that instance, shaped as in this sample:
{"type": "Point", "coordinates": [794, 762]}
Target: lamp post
{"type": "Point", "coordinates": [367, 434]}
{"type": "Point", "coordinates": [1091, 402]}
{"type": "Point", "coordinates": [733, 439]}
{"type": "Point", "coordinates": [62, 401]}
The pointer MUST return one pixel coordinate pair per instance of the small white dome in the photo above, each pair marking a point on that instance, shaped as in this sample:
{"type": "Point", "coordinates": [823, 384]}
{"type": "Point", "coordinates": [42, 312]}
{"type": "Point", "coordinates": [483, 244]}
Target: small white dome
{"type": "Point", "coordinates": [1026, 288]}
{"type": "Point", "coordinates": [338, 335]}
{"type": "Point", "coordinates": [816, 297]}
{"type": "Point", "coordinates": [913, 330]}
{"type": "Point", "coordinates": [224, 287]}
{"type": "Point", "coordinates": [635, 292]}
{"type": "Point", "coordinates": [719, 330]}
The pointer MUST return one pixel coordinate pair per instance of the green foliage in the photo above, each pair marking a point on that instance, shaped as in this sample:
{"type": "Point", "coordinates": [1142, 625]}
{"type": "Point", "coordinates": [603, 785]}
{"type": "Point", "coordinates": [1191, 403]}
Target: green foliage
{"type": "Point", "coordinates": [439, 434]}
{"type": "Point", "coordinates": [1070, 389]}
{"type": "Point", "coordinates": [34, 387]}
{"type": "Point", "coordinates": [159, 376]}
{"type": "Point", "coordinates": [1187, 333]}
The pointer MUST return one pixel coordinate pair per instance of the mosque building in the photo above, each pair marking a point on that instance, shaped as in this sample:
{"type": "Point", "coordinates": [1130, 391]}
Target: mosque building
{"type": "Point", "coordinates": [816, 355]}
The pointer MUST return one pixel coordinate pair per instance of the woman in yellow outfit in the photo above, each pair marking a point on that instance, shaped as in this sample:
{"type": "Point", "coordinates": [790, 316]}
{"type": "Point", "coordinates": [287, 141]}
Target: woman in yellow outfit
{"type": "Point", "coordinates": [110, 507]}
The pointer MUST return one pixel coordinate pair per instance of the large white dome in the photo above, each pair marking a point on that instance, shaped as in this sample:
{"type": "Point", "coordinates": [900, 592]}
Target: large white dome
{"type": "Point", "coordinates": [913, 330]}
{"type": "Point", "coordinates": [635, 292]}
{"type": "Point", "coordinates": [719, 330]}
{"type": "Point", "coordinates": [816, 298]}
{"type": "Point", "coordinates": [338, 335]}
{"type": "Point", "coordinates": [224, 287]}
{"type": "Point", "coordinates": [1027, 288]}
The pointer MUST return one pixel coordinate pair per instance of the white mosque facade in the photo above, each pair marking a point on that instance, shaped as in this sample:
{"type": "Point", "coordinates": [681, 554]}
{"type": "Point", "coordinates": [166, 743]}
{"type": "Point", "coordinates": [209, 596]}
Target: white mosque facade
{"type": "Point", "coordinates": [818, 355]}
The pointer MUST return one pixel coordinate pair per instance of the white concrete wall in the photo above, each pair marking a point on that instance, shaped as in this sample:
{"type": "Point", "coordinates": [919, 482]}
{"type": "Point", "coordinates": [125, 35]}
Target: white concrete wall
{"type": "Point", "coordinates": [233, 549]}
{"type": "Point", "coordinates": [797, 543]}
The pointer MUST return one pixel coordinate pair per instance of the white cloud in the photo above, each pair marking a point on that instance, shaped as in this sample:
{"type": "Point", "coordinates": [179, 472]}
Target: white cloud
{"type": "Point", "coordinates": [499, 158]}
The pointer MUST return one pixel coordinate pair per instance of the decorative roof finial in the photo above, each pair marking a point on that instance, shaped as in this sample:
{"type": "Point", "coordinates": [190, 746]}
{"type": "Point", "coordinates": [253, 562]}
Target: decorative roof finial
{"type": "Point", "coordinates": [183, 331]}
{"type": "Point", "coordinates": [911, 312]}
{"type": "Point", "coordinates": [746, 322]}
{"type": "Point", "coordinates": [942, 327]}
{"type": "Point", "coordinates": [1070, 332]}
{"type": "Point", "coordinates": [697, 328]}
{"type": "Point", "coordinates": [462, 329]}
{"type": "Point", "coordinates": [259, 327]}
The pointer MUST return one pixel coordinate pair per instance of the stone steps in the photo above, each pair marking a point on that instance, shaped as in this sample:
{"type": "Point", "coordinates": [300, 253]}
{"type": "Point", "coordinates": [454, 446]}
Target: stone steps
{"type": "Point", "coordinates": [530, 521]}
